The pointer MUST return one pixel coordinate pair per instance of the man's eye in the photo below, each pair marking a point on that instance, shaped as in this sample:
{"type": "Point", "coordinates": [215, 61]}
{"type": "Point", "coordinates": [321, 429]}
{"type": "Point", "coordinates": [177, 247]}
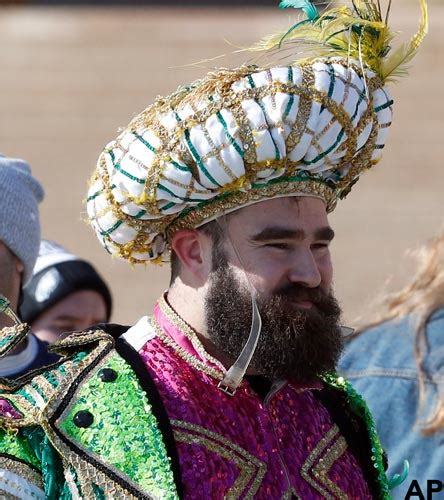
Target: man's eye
{"type": "Point", "coordinates": [279, 246]}
{"type": "Point", "coordinates": [320, 246]}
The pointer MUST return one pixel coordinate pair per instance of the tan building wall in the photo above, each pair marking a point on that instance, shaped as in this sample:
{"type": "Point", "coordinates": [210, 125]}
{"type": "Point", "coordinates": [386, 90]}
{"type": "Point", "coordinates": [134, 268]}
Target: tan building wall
{"type": "Point", "coordinates": [72, 77]}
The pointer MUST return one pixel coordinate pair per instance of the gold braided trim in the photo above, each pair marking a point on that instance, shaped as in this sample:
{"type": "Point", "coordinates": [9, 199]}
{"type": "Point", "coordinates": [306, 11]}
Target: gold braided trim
{"type": "Point", "coordinates": [188, 331]}
{"type": "Point", "coordinates": [252, 470]}
{"type": "Point", "coordinates": [171, 144]}
{"type": "Point", "coordinates": [319, 462]}
{"type": "Point", "coordinates": [321, 469]}
{"type": "Point", "coordinates": [87, 474]}
{"type": "Point", "coordinates": [70, 481]}
{"type": "Point", "coordinates": [184, 354]}
{"type": "Point", "coordinates": [307, 93]}
{"type": "Point", "coordinates": [10, 336]}
{"type": "Point", "coordinates": [290, 494]}
{"type": "Point", "coordinates": [30, 412]}
{"type": "Point", "coordinates": [21, 469]}
{"type": "Point", "coordinates": [241, 198]}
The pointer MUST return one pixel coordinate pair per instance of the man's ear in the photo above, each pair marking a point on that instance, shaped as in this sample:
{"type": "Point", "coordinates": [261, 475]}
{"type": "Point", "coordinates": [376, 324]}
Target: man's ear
{"type": "Point", "coordinates": [193, 251]}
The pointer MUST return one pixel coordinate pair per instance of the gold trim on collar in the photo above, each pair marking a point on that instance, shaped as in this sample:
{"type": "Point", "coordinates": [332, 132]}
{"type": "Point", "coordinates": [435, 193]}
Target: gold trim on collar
{"type": "Point", "coordinates": [191, 335]}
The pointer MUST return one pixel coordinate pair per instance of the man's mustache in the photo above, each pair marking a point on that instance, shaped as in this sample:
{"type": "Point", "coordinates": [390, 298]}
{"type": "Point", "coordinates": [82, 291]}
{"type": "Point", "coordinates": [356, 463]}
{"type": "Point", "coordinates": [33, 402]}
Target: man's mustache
{"type": "Point", "coordinates": [299, 293]}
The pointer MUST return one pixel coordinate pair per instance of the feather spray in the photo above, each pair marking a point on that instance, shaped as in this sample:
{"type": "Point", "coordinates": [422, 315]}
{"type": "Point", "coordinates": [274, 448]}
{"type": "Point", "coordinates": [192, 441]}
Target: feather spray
{"type": "Point", "coordinates": [360, 32]}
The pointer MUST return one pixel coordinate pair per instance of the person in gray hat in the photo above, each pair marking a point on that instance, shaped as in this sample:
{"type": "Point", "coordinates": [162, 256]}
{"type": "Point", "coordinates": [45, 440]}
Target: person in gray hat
{"type": "Point", "coordinates": [20, 196]}
{"type": "Point", "coordinates": [19, 226]}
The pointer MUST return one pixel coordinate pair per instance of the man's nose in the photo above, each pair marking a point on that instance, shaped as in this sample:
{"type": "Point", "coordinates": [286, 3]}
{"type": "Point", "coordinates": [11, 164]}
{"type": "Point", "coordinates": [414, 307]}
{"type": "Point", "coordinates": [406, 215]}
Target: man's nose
{"type": "Point", "coordinates": [305, 271]}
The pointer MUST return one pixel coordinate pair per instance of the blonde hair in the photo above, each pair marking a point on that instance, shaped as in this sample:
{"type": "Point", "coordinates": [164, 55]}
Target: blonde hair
{"type": "Point", "coordinates": [422, 297]}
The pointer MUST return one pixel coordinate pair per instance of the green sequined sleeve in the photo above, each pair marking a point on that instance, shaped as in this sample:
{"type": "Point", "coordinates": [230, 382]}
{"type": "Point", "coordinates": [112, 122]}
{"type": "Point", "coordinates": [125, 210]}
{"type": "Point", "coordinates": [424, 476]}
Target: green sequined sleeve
{"type": "Point", "coordinates": [20, 470]}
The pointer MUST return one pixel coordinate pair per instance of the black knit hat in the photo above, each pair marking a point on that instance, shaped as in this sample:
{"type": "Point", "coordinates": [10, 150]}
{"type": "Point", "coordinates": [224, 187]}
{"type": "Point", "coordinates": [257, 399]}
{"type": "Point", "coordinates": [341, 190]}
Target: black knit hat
{"type": "Point", "coordinates": [58, 274]}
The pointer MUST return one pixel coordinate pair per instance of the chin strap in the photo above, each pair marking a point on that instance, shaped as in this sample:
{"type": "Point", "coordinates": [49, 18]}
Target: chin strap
{"type": "Point", "coordinates": [237, 371]}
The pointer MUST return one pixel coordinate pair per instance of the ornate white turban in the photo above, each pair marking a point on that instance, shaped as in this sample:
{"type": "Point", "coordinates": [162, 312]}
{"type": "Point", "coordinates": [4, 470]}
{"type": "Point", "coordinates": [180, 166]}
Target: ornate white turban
{"type": "Point", "coordinates": [241, 136]}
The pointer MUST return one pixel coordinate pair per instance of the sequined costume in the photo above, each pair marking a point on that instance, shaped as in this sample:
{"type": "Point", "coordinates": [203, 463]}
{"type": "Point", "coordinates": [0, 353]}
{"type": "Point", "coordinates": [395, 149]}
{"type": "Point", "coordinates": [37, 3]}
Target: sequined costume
{"type": "Point", "coordinates": [143, 417]}
{"type": "Point", "coordinates": [140, 412]}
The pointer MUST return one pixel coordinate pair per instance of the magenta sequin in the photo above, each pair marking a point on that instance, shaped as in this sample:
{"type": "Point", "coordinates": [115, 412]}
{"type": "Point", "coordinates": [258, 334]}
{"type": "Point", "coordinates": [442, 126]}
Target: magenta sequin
{"type": "Point", "coordinates": [240, 446]}
{"type": "Point", "coordinates": [8, 411]}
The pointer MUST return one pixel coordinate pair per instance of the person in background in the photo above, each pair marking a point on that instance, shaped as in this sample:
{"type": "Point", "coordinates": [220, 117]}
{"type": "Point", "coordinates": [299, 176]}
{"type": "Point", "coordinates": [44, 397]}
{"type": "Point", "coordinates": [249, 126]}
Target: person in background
{"type": "Point", "coordinates": [397, 364]}
{"type": "Point", "coordinates": [20, 196]}
{"type": "Point", "coordinates": [65, 294]}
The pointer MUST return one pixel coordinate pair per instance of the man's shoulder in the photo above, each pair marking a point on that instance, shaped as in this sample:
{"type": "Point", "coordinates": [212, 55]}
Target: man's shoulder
{"type": "Point", "coordinates": [36, 392]}
{"type": "Point", "coordinates": [96, 410]}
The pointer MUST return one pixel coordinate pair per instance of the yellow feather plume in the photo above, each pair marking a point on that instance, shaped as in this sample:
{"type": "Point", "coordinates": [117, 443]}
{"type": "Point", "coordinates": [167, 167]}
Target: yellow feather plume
{"type": "Point", "coordinates": [397, 64]}
{"type": "Point", "coordinates": [358, 32]}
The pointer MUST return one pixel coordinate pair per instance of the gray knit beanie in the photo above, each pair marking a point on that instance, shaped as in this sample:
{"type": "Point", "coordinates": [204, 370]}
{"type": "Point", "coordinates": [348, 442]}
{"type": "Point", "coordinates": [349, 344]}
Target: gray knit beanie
{"type": "Point", "coordinates": [20, 195]}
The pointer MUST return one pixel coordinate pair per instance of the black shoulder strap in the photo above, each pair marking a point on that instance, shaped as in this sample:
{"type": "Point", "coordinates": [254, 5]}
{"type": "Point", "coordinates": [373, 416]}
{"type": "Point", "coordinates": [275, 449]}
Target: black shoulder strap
{"type": "Point", "coordinates": [112, 329]}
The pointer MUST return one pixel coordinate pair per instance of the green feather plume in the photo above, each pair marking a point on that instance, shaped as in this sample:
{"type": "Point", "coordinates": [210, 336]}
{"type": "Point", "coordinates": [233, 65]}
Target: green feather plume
{"type": "Point", "coordinates": [306, 6]}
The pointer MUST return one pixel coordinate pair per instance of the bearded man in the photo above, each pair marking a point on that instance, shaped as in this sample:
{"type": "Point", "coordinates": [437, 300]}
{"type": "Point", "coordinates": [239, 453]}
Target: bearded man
{"type": "Point", "coordinates": [228, 390]}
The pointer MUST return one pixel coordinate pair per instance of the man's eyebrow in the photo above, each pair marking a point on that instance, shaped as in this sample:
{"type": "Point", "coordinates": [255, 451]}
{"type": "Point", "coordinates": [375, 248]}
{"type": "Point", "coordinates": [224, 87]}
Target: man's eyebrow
{"type": "Point", "coordinates": [325, 233]}
{"type": "Point", "coordinates": [278, 233]}
{"type": "Point", "coordinates": [282, 233]}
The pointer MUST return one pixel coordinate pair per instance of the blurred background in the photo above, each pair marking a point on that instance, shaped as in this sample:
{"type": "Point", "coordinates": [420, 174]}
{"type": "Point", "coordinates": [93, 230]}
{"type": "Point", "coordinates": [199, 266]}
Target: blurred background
{"type": "Point", "coordinates": [72, 73]}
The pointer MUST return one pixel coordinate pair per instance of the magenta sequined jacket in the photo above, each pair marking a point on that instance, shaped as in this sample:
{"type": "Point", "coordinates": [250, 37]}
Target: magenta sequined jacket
{"type": "Point", "coordinates": [141, 416]}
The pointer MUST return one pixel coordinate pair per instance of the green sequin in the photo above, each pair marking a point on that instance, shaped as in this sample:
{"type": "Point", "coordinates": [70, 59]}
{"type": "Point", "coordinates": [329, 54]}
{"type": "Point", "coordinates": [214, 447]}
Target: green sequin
{"type": "Point", "coordinates": [118, 408]}
{"type": "Point", "coordinates": [16, 445]}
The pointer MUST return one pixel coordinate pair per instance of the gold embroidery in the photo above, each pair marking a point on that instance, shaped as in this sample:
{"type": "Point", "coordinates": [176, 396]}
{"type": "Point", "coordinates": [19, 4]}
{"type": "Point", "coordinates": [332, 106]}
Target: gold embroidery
{"type": "Point", "coordinates": [216, 152]}
{"type": "Point", "coordinates": [185, 355]}
{"type": "Point", "coordinates": [189, 333]}
{"type": "Point", "coordinates": [318, 464]}
{"type": "Point", "coordinates": [156, 223]}
{"type": "Point", "coordinates": [252, 470]}
{"type": "Point", "coordinates": [290, 494]}
{"type": "Point", "coordinates": [287, 188]}
{"type": "Point", "coordinates": [87, 473]}
{"type": "Point", "coordinates": [321, 469]}
{"type": "Point", "coordinates": [21, 469]}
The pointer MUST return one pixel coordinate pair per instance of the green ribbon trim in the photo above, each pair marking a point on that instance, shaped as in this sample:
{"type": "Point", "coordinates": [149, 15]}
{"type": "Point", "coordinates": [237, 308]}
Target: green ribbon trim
{"type": "Point", "coordinates": [145, 142]}
{"type": "Point", "coordinates": [163, 188]}
{"type": "Point", "coordinates": [183, 168]}
{"type": "Point", "coordinates": [107, 232]}
{"type": "Point", "coordinates": [198, 159]}
{"type": "Point", "coordinates": [384, 106]}
{"type": "Point", "coordinates": [225, 196]}
{"type": "Point", "coordinates": [362, 96]}
{"type": "Point", "coordinates": [119, 168]}
{"type": "Point", "coordinates": [98, 193]}
{"type": "Point", "coordinates": [229, 136]}
{"type": "Point", "coordinates": [277, 155]}
{"type": "Point", "coordinates": [291, 100]}
{"type": "Point", "coordinates": [328, 151]}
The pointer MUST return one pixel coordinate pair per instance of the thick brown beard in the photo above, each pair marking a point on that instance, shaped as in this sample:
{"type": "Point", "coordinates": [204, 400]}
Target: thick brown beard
{"type": "Point", "coordinates": [294, 344]}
